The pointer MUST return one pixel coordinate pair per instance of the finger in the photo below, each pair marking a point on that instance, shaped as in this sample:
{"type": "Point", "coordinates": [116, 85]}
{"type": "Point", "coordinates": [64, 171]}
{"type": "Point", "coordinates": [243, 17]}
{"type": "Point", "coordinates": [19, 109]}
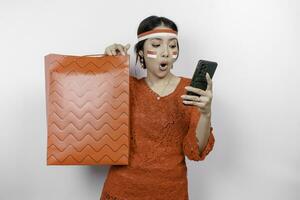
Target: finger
{"type": "Point", "coordinates": [110, 52]}
{"type": "Point", "coordinates": [195, 90]}
{"type": "Point", "coordinates": [127, 46]}
{"type": "Point", "coordinates": [193, 98]}
{"type": "Point", "coordinates": [107, 51]}
{"type": "Point", "coordinates": [120, 48]}
{"type": "Point", "coordinates": [199, 104]}
{"type": "Point", "coordinates": [113, 51]}
{"type": "Point", "coordinates": [116, 49]}
{"type": "Point", "coordinates": [209, 82]}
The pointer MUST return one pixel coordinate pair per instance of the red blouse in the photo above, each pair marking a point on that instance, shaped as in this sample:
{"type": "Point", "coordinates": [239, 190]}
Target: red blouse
{"type": "Point", "coordinates": [163, 132]}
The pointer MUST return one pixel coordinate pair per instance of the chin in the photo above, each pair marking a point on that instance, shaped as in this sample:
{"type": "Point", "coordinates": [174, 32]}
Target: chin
{"type": "Point", "coordinates": [163, 73]}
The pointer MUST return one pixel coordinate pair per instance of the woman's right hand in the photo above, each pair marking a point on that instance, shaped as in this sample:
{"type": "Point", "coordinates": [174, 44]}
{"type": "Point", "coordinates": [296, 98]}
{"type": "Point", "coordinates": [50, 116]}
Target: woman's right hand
{"type": "Point", "coordinates": [116, 49]}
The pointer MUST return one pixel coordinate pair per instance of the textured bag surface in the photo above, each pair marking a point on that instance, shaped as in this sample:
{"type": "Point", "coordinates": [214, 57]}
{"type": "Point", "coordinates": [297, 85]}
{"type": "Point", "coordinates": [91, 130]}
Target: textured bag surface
{"type": "Point", "coordinates": [87, 99]}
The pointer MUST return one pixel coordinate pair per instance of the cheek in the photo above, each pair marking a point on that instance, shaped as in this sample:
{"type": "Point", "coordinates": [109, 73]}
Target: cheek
{"type": "Point", "coordinates": [174, 54]}
{"type": "Point", "coordinates": [151, 54]}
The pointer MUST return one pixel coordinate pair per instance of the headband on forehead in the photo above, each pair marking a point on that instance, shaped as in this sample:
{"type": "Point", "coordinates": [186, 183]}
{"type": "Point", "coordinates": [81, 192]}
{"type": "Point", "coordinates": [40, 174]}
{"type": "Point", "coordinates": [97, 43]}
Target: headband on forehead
{"type": "Point", "coordinates": [157, 33]}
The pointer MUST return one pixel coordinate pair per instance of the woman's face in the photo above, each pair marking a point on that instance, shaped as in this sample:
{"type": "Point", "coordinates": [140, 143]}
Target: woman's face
{"type": "Point", "coordinates": [159, 51]}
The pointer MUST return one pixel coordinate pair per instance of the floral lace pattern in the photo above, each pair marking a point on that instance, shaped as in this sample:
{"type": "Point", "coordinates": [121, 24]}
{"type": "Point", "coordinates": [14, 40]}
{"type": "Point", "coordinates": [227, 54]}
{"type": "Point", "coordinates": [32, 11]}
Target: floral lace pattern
{"type": "Point", "coordinates": [107, 196]}
{"type": "Point", "coordinates": [162, 132]}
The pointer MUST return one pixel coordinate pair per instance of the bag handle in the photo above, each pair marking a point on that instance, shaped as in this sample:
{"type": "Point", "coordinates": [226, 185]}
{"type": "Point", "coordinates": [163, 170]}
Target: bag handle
{"type": "Point", "coordinates": [98, 54]}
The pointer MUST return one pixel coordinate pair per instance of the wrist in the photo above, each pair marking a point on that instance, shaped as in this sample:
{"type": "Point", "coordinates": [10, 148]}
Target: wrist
{"type": "Point", "coordinates": [206, 115]}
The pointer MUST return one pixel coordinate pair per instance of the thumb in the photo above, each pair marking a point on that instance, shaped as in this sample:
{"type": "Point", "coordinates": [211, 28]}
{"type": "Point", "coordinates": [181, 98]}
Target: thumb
{"type": "Point", "coordinates": [127, 46]}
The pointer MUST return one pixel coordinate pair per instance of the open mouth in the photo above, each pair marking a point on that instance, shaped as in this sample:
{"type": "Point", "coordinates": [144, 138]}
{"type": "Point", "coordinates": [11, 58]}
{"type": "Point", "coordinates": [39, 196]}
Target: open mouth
{"type": "Point", "coordinates": [163, 66]}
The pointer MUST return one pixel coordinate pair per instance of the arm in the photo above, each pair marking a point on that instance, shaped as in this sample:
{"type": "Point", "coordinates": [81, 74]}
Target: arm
{"type": "Point", "coordinates": [203, 131]}
{"type": "Point", "coordinates": [200, 135]}
{"type": "Point", "coordinates": [198, 147]}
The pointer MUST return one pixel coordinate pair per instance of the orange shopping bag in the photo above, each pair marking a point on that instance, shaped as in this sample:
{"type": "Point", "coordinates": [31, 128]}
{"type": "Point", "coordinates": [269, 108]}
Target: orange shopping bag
{"type": "Point", "coordinates": [87, 104]}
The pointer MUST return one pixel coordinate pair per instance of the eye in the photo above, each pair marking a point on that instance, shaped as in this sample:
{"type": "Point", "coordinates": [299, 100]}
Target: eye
{"type": "Point", "coordinates": [157, 45]}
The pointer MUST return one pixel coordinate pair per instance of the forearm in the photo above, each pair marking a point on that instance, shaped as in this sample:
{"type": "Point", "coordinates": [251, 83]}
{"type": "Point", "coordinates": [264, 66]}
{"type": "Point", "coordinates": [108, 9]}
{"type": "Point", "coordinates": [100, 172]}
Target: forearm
{"type": "Point", "coordinates": [203, 130]}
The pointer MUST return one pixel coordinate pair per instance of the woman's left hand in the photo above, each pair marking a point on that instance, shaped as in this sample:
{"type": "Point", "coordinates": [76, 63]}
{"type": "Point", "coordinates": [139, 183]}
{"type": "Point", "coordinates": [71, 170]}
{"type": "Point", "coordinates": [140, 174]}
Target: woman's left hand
{"type": "Point", "coordinates": [204, 101]}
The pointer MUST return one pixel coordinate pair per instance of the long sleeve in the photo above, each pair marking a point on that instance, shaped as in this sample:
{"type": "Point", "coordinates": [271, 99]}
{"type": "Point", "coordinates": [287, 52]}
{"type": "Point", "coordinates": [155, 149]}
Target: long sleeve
{"type": "Point", "coordinates": [190, 141]}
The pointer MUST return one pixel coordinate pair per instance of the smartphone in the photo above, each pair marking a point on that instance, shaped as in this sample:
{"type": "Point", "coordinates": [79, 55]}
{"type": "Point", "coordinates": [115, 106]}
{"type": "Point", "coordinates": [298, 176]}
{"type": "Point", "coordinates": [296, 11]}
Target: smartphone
{"type": "Point", "coordinates": [199, 76]}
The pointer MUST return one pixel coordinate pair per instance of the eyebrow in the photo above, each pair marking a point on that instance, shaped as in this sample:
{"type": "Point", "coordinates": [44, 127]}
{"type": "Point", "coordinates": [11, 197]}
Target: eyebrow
{"type": "Point", "coordinates": [161, 39]}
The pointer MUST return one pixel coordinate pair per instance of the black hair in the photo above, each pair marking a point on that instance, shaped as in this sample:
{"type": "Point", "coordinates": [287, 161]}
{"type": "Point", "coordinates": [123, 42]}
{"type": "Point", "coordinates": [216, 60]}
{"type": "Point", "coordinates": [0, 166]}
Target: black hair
{"type": "Point", "coordinates": [149, 24]}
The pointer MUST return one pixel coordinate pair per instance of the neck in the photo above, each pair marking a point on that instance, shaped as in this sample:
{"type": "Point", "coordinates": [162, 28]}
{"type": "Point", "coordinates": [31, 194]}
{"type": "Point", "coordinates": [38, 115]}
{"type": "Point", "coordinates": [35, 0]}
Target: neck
{"type": "Point", "coordinates": [157, 81]}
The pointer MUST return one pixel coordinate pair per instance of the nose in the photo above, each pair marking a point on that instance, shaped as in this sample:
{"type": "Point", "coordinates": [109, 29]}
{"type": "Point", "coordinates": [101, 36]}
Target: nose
{"type": "Point", "coordinates": [165, 52]}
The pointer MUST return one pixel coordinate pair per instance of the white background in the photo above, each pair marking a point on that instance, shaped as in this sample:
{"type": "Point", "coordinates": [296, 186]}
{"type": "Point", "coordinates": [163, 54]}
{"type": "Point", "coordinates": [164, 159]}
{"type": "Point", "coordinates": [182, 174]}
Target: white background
{"type": "Point", "coordinates": [255, 110]}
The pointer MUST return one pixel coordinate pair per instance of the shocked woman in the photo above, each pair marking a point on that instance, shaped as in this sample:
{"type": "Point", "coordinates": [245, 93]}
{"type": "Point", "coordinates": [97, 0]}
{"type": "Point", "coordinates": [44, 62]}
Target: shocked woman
{"type": "Point", "coordinates": [165, 124]}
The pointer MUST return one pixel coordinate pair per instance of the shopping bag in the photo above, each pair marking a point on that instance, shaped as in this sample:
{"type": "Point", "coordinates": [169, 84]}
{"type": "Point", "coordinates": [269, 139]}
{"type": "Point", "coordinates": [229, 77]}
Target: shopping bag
{"type": "Point", "coordinates": [87, 108]}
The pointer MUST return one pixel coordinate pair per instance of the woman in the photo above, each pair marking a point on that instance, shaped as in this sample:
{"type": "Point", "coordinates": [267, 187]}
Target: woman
{"type": "Point", "coordinates": [165, 126]}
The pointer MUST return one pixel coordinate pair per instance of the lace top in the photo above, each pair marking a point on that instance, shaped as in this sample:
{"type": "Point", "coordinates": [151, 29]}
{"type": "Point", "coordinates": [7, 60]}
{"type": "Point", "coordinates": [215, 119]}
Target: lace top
{"type": "Point", "coordinates": [163, 132]}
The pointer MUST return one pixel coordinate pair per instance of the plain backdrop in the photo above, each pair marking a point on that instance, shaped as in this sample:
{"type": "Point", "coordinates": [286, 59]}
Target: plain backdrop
{"type": "Point", "coordinates": [255, 108]}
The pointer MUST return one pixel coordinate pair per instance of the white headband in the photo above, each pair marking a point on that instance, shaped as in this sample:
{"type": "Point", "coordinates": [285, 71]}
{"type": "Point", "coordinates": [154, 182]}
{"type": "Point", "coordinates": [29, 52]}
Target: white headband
{"type": "Point", "coordinates": [156, 33]}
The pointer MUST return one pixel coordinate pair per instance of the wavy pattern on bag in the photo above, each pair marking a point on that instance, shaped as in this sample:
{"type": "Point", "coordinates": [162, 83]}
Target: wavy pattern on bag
{"type": "Point", "coordinates": [87, 102]}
